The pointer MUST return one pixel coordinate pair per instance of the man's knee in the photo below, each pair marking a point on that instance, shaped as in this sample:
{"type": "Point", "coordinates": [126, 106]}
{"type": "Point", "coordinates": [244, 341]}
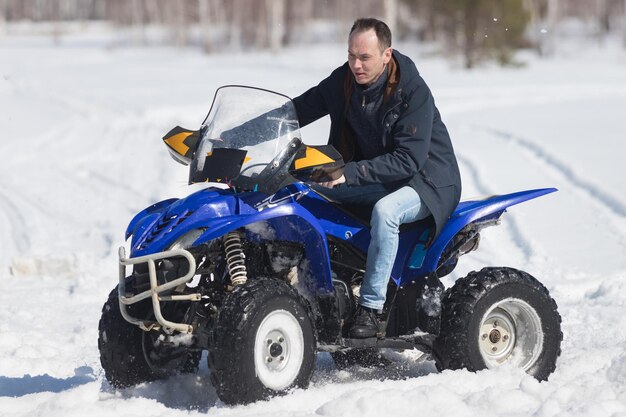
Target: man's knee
{"type": "Point", "coordinates": [386, 212]}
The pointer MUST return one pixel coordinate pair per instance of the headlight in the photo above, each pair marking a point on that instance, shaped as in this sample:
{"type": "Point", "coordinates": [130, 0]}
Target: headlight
{"type": "Point", "coordinates": [186, 240]}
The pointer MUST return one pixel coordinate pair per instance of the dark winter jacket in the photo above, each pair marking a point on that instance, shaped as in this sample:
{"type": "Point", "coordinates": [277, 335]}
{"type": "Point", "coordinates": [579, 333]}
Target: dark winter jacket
{"type": "Point", "coordinates": [418, 148]}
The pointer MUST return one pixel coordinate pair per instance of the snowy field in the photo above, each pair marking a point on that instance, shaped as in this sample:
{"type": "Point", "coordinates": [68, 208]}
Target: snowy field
{"type": "Point", "coordinates": [80, 141]}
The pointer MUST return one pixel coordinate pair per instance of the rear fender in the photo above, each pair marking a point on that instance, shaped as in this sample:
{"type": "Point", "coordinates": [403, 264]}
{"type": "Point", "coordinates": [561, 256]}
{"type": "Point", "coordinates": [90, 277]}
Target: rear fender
{"type": "Point", "coordinates": [290, 222]}
{"type": "Point", "coordinates": [471, 211]}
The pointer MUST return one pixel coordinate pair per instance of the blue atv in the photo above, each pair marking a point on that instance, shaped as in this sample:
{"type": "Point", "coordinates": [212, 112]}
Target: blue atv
{"type": "Point", "coordinates": [262, 270]}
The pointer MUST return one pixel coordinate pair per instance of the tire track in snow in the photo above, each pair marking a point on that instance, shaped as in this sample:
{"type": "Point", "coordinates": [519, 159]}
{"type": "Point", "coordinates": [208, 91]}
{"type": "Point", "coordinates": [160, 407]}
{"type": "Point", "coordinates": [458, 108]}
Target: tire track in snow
{"type": "Point", "coordinates": [91, 176]}
{"type": "Point", "coordinates": [609, 208]}
{"type": "Point", "coordinates": [518, 237]}
{"type": "Point", "coordinates": [612, 203]}
{"type": "Point", "coordinates": [459, 101]}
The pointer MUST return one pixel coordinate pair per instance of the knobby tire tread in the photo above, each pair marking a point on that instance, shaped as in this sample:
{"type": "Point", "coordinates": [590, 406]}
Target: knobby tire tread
{"type": "Point", "coordinates": [121, 351]}
{"type": "Point", "coordinates": [232, 336]}
{"type": "Point", "coordinates": [459, 304]}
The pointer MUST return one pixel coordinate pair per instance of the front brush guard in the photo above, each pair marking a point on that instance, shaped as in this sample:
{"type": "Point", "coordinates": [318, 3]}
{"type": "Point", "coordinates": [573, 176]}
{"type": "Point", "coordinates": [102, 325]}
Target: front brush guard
{"type": "Point", "coordinates": [155, 290]}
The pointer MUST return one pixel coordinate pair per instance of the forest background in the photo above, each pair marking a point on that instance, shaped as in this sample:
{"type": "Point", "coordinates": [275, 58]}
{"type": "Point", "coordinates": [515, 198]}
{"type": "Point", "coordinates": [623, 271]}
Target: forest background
{"type": "Point", "coordinates": [470, 32]}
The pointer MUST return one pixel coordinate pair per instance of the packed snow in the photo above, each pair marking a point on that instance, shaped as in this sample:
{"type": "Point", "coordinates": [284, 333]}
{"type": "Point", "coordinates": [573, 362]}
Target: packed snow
{"type": "Point", "coordinates": [80, 138]}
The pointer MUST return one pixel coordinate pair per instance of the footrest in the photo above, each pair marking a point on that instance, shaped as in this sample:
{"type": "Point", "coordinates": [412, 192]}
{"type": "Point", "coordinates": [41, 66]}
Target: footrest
{"type": "Point", "coordinates": [413, 342]}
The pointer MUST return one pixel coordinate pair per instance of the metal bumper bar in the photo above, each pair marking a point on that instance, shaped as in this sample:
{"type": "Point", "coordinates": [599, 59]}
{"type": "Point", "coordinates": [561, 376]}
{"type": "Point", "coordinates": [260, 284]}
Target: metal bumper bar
{"type": "Point", "coordinates": [155, 290]}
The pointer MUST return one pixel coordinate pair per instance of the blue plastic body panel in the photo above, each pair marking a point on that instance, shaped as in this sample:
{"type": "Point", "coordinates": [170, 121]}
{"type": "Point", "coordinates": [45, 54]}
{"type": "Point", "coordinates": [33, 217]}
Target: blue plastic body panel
{"type": "Point", "coordinates": [303, 216]}
{"type": "Point", "coordinates": [221, 211]}
{"type": "Point", "coordinates": [466, 213]}
{"type": "Point", "coordinates": [147, 217]}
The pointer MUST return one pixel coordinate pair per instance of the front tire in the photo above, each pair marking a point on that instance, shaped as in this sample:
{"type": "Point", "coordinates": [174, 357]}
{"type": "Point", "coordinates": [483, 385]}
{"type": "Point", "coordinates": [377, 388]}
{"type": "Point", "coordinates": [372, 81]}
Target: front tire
{"type": "Point", "coordinates": [130, 356]}
{"type": "Point", "coordinates": [264, 342]}
{"type": "Point", "coordinates": [499, 316]}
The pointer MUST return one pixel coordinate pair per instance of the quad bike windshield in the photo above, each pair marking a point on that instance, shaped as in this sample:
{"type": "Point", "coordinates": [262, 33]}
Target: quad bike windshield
{"type": "Point", "coordinates": [251, 140]}
{"type": "Point", "coordinates": [243, 136]}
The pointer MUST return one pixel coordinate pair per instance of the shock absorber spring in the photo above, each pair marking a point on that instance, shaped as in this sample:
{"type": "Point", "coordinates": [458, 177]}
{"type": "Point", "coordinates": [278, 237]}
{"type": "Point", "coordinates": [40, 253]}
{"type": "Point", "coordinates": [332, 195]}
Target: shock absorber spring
{"type": "Point", "coordinates": [235, 258]}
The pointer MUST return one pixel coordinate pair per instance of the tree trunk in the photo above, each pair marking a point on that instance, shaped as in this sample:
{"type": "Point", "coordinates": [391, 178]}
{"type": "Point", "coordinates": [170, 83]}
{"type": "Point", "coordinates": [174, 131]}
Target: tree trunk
{"type": "Point", "coordinates": [603, 19]}
{"type": "Point", "coordinates": [298, 13]}
{"type": "Point", "coordinates": [236, 23]}
{"type": "Point", "coordinates": [137, 22]}
{"type": "Point", "coordinates": [470, 27]}
{"type": "Point", "coordinates": [535, 24]}
{"type": "Point", "coordinates": [345, 18]}
{"type": "Point", "coordinates": [3, 17]}
{"type": "Point", "coordinates": [204, 12]}
{"type": "Point", "coordinates": [428, 17]}
{"type": "Point", "coordinates": [260, 21]}
{"type": "Point", "coordinates": [624, 24]}
{"type": "Point", "coordinates": [549, 38]}
{"type": "Point", "coordinates": [153, 12]}
{"type": "Point", "coordinates": [391, 15]}
{"type": "Point", "coordinates": [180, 23]}
{"type": "Point", "coordinates": [276, 22]}
{"type": "Point", "coordinates": [56, 25]}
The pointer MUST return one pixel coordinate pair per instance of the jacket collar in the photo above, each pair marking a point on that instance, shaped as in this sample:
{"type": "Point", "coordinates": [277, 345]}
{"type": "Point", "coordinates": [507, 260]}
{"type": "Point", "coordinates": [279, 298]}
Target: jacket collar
{"type": "Point", "coordinates": [393, 80]}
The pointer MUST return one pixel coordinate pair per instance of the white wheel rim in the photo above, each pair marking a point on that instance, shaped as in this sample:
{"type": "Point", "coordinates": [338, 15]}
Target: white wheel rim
{"type": "Point", "coordinates": [510, 333]}
{"type": "Point", "coordinates": [278, 350]}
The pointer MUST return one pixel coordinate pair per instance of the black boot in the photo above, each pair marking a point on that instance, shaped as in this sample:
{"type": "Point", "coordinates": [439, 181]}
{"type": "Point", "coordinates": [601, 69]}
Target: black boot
{"type": "Point", "coordinates": [368, 322]}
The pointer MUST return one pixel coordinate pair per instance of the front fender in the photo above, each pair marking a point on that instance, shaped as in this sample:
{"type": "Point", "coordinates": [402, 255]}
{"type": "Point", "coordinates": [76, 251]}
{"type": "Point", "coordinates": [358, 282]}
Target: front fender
{"type": "Point", "coordinates": [147, 216]}
{"type": "Point", "coordinates": [289, 222]}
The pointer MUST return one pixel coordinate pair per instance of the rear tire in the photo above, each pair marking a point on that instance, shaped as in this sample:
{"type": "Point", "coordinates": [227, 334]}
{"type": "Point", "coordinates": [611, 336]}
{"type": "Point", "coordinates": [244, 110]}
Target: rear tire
{"type": "Point", "coordinates": [130, 356]}
{"type": "Point", "coordinates": [264, 342]}
{"type": "Point", "coordinates": [499, 316]}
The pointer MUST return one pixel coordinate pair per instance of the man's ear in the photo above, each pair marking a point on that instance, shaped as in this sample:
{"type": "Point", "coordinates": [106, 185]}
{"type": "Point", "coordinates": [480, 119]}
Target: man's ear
{"type": "Point", "coordinates": [387, 55]}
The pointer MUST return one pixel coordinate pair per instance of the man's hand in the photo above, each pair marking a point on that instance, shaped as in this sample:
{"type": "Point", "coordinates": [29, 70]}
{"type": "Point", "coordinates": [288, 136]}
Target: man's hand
{"type": "Point", "coordinates": [331, 184]}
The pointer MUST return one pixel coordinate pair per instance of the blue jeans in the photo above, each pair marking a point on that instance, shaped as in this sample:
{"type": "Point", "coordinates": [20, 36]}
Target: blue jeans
{"type": "Point", "coordinates": [401, 206]}
{"type": "Point", "coordinates": [390, 211]}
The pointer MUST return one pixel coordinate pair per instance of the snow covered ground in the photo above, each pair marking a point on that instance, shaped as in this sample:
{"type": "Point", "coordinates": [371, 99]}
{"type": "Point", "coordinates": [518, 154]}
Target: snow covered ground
{"type": "Point", "coordinates": [80, 140]}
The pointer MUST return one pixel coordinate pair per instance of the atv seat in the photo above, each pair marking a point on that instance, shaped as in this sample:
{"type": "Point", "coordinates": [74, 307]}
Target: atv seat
{"type": "Point", "coordinates": [363, 214]}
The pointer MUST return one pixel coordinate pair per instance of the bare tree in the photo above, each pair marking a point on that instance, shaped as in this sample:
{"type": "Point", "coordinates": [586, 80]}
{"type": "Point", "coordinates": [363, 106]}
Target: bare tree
{"type": "Point", "coordinates": [427, 15]}
{"type": "Point", "coordinates": [3, 17]}
{"type": "Point", "coordinates": [544, 16]}
{"type": "Point", "coordinates": [391, 14]}
{"type": "Point", "coordinates": [176, 14]}
{"type": "Point", "coordinates": [603, 18]}
{"type": "Point", "coordinates": [273, 23]}
{"type": "Point", "coordinates": [624, 24]}
{"type": "Point", "coordinates": [236, 23]}
{"type": "Point", "coordinates": [259, 20]}
{"type": "Point", "coordinates": [137, 20]}
{"type": "Point", "coordinates": [153, 11]}
{"type": "Point", "coordinates": [276, 23]}
{"type": "Point", "coordinates": [345, 15]}
{"type": "Point", "coordinates": [549, 41]}
{"type": "Point", "coordinates": [213, 17]}
{"type": "Point", "coordinates": [204, 11]}
{"type": "Point", "coordinates": [297, 14]}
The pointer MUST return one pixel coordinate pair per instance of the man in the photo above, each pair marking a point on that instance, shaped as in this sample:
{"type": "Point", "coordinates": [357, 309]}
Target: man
{"type": "Point", "coordinates": [397, 151]}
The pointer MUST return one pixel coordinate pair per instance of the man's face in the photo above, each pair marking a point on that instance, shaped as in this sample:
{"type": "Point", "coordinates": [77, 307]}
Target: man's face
{"type": "Point", "coordinates": [366, 60]}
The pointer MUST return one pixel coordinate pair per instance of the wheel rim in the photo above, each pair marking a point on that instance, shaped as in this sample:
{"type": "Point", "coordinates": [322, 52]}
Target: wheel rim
{"type": "Point", "coordinates": [278, 350]}
{"type": "Point", "coordinates": [510, 333]}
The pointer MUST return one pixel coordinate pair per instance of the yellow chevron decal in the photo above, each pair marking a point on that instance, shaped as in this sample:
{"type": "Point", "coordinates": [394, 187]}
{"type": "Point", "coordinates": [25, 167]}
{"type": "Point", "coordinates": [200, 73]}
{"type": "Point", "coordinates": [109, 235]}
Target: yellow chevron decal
{"type": "Point", "coordinates": [312, 157]}
{"type": "Point", "coordinates": [176, 142]}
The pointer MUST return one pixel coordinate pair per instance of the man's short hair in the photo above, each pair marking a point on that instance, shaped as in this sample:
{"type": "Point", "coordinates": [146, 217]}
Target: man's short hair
{"type": "Point", "coordinates": [382, 30]}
